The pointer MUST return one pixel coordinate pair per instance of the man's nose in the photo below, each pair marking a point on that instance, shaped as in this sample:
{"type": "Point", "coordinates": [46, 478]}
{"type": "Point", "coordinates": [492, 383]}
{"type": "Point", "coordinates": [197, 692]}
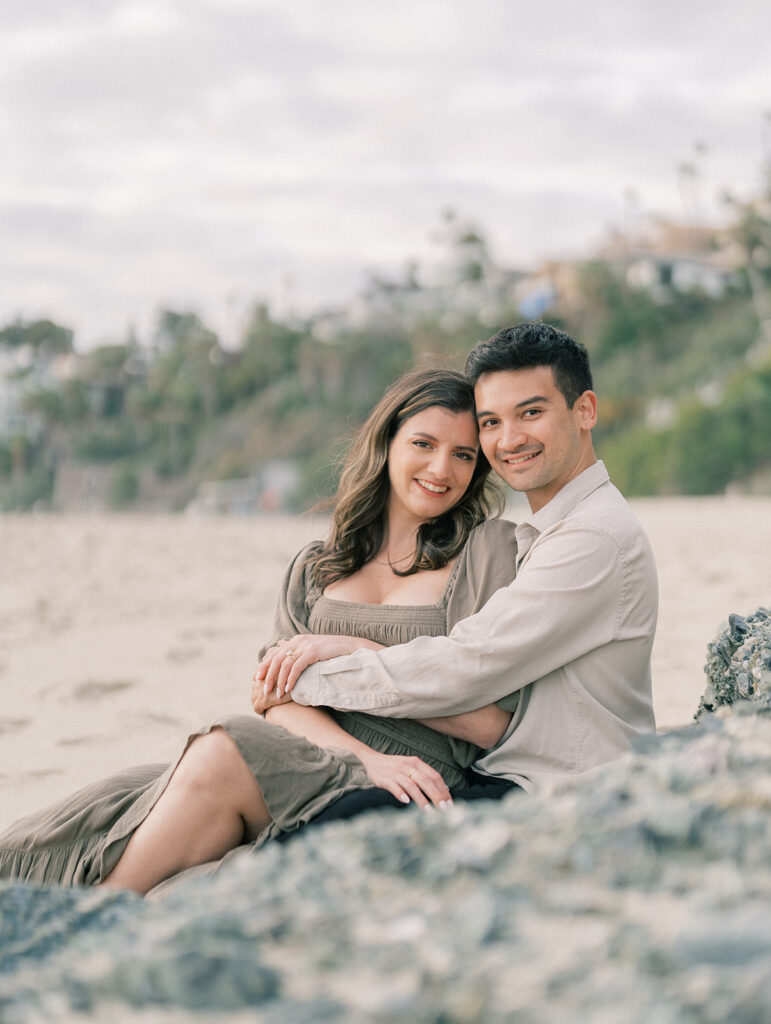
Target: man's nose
{"type": "Point", "coordinates": [512, 436]}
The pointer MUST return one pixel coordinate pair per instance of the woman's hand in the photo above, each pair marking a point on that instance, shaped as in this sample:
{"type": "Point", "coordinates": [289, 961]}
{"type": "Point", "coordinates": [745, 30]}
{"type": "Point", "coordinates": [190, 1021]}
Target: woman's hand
{"type": "Point", "coordinates": [407, 778]}
{"type": "Point", "coordinates": [282, 664]}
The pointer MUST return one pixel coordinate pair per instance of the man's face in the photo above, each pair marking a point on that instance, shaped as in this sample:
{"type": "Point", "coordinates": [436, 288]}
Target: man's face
{"type": "Point", "coordinates": [533, 441]}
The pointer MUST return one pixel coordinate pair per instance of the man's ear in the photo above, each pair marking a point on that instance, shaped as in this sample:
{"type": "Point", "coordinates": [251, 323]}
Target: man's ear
{"type": "Point", "coordinates": [586, 408]}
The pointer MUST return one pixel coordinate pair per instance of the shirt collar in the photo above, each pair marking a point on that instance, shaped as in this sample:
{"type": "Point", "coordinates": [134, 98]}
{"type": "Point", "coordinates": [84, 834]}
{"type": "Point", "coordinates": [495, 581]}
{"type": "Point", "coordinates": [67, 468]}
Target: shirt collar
{"type": "Point", "coordinates": [564, 501]}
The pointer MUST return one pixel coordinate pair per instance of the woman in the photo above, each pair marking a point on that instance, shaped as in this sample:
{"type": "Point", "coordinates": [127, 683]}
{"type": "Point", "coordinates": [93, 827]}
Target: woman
{"type": "Point", "coordinates": [409, 552]}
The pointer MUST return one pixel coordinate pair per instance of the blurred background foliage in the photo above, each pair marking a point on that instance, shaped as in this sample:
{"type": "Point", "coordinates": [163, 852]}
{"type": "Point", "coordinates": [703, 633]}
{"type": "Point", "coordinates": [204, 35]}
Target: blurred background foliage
{"type": "Point", "coordinates": [683, 373]}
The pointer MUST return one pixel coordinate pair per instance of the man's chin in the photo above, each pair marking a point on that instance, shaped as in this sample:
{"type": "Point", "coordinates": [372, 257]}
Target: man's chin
{"type": "Point", "coordinates": [517, 480]}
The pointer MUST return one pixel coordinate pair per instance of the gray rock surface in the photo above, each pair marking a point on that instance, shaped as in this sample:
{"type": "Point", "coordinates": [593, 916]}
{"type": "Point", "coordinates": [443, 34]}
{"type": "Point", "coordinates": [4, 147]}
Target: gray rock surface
{"type": "Point", "coordinates": [640, 894]}
{"type": "Point", "coordinates": [739, 662]}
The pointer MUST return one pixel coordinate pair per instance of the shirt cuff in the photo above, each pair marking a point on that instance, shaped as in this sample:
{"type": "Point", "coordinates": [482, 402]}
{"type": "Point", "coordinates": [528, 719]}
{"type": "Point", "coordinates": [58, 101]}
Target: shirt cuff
{"type": "Point", "coordinates": [328, 684]}
{"type": "Point", "coordinates": [306, 689]}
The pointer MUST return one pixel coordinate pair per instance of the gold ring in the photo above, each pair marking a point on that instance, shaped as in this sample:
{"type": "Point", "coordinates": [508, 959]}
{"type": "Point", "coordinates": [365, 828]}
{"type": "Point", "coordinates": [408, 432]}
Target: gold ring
{"type": "Point", "coordinates": [410, 773]}
{"type": "Point", "coordinates": [290, 654]}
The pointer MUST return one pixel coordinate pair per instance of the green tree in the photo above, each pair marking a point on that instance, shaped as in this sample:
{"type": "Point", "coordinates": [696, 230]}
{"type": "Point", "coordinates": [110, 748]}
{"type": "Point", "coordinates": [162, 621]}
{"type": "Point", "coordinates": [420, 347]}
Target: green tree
{"type": "Point", "coordinates": [124, 485]}
{"type": "Point", "coordinates": [270, 350]}
{"type": "Point", "coordinates": [45, 336]}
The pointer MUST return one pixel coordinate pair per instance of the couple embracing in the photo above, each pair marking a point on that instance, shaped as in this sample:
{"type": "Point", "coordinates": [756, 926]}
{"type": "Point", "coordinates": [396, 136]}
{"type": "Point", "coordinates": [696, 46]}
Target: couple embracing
{"type": "Point", "coordinates": [424, 652]}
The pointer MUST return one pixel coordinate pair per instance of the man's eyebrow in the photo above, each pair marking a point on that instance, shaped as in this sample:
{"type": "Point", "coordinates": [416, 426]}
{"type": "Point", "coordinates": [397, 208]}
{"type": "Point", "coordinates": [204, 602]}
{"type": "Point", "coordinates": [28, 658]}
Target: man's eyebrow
{"type": "Point", "coordinates": [529, 401]}
{"type": "Point", "coordinates": [520, 405]}
{"type": "Point", "coordinates": [430, 437]}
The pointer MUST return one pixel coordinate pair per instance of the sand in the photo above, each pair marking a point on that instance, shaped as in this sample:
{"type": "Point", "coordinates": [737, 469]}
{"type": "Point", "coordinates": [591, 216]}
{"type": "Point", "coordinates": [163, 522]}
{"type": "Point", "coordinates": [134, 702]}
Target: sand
{"type": "Point", "coordinates": [121, 634]}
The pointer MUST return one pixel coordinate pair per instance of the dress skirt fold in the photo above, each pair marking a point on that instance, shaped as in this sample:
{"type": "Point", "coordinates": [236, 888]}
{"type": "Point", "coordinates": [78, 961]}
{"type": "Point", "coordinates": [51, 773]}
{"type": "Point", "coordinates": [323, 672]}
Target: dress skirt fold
{"type": "Point", "coordinates": [79, 840]}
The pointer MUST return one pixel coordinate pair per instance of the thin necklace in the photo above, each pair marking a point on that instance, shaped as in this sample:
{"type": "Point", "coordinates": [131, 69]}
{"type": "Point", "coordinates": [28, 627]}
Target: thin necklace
{"type": "Point", "coordinates": [395, 561]}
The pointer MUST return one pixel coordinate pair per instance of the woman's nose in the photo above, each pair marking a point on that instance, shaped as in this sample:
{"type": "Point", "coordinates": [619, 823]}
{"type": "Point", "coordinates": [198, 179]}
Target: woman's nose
{"type": "Point", "coordinates": [441, 463]}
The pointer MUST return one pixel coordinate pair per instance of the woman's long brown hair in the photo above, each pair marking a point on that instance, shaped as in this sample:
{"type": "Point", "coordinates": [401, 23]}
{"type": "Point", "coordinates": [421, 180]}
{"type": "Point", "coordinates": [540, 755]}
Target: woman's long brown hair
{"type": "Point", "coordinates": [358, 525]}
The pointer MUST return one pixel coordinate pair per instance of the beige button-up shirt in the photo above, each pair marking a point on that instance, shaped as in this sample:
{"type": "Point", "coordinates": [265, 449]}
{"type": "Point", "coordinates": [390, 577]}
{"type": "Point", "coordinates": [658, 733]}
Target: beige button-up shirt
{"type": "Point", "coordinates": [572, 634]}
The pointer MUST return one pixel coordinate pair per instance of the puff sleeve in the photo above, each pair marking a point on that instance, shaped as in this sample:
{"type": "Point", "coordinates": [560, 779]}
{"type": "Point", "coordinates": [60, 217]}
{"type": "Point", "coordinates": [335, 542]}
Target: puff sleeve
{"type": "Point", "coordinates": [296, 598]}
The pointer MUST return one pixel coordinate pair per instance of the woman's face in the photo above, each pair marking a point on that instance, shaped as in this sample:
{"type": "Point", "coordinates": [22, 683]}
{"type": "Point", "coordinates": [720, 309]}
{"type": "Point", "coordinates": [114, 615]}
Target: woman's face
{"type": "Point", "coordinates": [431, 461]}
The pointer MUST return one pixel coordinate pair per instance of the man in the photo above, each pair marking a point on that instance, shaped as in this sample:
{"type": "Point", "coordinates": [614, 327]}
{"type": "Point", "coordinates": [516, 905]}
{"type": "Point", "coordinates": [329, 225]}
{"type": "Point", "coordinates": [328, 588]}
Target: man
{"type": "Point", "coordinates": [568, 643]}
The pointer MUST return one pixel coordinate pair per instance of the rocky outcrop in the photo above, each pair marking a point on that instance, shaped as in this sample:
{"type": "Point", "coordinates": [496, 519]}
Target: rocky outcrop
{"type": "Point", "coordinates": [639, 894]}
{"type": "Point", "coordinates": [739, 662]}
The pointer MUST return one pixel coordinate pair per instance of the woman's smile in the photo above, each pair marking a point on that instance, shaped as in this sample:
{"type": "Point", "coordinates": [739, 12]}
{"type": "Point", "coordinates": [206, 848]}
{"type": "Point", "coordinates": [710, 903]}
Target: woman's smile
{"type": "Point", "coordinates": [433, 488]}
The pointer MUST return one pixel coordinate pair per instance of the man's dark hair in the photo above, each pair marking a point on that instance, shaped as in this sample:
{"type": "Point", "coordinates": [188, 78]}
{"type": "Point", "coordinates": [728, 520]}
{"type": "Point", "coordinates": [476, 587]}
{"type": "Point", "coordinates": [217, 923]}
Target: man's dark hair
{"type": "Point", "coordinates": [534, 344]}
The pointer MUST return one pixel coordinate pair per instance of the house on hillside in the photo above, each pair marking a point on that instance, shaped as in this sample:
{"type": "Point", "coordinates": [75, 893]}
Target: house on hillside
{"type": "Point", "coordinates": [677, 258]}
{"type": "Point", "coordinates": [480, 289]}
{"type": "Point", "coordinates": [554, 283]}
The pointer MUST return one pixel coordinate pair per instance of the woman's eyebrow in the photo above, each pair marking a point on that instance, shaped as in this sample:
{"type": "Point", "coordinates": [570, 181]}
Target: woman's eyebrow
{"type": "Point", "coordinates": [430, 437]}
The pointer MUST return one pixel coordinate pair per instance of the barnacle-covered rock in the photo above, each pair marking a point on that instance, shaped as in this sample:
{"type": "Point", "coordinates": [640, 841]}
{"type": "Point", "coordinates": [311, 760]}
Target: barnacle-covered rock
{"type": "Point", "coordinates": [739, 662]}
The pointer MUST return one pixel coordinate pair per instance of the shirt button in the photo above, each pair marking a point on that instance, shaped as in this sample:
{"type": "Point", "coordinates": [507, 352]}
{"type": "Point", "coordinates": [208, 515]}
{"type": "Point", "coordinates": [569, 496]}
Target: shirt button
{"type": "Point", "coordinates": [347, 702]}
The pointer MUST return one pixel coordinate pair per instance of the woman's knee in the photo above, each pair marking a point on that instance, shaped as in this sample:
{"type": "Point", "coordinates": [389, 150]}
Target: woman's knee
{"type": "Point", "coordinates": [211, 762]}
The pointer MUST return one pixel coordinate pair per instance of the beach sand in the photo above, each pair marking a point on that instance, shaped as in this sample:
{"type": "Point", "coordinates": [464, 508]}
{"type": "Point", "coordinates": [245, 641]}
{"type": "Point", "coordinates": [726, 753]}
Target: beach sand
{"type": "Point", "coordinates": [121, 634]}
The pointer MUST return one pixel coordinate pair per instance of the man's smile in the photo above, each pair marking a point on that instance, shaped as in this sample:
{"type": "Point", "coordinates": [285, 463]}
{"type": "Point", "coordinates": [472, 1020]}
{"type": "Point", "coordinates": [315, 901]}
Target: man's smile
{"type": "Point", "coordinates": [520, 459]}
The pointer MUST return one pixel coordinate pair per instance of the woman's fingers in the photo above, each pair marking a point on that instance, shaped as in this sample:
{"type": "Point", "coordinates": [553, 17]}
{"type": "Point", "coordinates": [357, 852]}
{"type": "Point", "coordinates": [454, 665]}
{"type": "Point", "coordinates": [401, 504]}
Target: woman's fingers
{"type": "Point", "coordinates": [420, 783]}
{"type": "Point", "coordinates": [405, 789]}
{"type": "Point", "coordinates": [274, 669]}
{"type": "Point", "coordinates": [424, 784]}
{"type": "Point", "coordinates": [288, 663]}
{"type": "Point", "coordinates": [276, 672]}
{"type": "Point", "coordinates": [295, 661]}
{"type": "Point", "coordinates": [299, 663]}
{"type": "Point", "coordinates": [408, 779]}
{"type": "Point", "coordinates": [264, 665]}
{"type": "Point", "coordinates": [282, 664]}
{"type": "Point", "coordinates": [393, 787]}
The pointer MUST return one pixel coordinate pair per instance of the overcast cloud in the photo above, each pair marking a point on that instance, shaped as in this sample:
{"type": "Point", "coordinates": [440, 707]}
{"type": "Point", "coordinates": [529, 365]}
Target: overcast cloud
{"type": "Point", "coordinates": [210, 153]}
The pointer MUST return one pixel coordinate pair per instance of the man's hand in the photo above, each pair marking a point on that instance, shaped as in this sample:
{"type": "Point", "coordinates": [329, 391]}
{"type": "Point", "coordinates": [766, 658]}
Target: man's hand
{"type": "Point", "coordinates": [261, 700]}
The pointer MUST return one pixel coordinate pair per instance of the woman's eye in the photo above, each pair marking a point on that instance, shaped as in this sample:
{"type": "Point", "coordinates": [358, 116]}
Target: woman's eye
{"type": "Point", "coordinates": [421, 444]}
{"type": "Point", "coordinates": [465, 456]}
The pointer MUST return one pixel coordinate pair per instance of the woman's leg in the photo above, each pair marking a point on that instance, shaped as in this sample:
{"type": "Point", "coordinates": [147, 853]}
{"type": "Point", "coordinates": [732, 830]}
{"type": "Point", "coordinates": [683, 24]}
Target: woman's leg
{"type": "Point", "coordinates": [211, 805]}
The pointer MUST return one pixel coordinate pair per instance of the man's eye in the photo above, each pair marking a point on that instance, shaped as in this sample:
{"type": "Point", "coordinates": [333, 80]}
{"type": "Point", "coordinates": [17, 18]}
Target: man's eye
{"type": "Point", "coordinates": [488, 423]}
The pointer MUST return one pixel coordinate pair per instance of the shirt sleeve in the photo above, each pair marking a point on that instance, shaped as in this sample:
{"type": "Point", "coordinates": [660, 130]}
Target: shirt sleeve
{"type": "Point", "coordinates": [566, 600]}
{"type": "Point", "coordinates": [295, 600]}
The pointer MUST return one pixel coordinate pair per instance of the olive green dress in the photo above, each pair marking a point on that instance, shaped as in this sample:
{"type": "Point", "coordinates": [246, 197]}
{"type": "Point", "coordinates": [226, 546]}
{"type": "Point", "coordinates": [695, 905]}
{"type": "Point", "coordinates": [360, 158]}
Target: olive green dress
{"type": "Point", "coordinates": [80, 839]}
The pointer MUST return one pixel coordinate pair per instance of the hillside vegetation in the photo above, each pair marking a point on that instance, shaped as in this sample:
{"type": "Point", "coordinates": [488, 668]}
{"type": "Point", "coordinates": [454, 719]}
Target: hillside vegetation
{"type": "Point", "coordinates": [684, 379]}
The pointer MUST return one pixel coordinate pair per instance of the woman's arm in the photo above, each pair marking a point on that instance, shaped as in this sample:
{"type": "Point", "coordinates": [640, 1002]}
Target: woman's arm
{"type": "Point", "coordinates": [405, 777]}
{"type": "Point", "coordinates": [316, 725]}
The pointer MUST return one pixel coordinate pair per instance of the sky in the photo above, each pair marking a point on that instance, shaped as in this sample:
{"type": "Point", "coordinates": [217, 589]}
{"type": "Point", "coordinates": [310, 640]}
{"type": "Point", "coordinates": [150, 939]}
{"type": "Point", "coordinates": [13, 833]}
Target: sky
{"type": "Point", "coordinates": [206, 155]}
